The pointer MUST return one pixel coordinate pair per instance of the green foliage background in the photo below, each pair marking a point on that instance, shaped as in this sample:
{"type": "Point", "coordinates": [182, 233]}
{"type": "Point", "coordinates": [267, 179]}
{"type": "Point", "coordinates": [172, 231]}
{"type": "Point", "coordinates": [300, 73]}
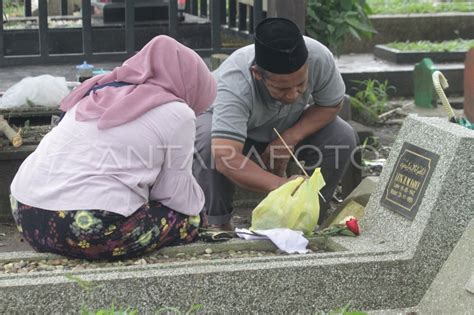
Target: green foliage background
{"type": "Point", "coordinates": [330, 21]}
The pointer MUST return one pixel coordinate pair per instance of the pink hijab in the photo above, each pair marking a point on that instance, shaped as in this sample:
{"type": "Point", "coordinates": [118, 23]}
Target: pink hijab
{"type": "Point", "coordinates": [162, 72]}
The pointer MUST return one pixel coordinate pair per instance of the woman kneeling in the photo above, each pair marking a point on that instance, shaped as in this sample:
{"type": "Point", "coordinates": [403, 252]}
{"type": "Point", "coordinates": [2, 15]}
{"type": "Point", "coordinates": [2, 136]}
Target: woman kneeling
{"type": "Point", "coordinates": [113, 180]}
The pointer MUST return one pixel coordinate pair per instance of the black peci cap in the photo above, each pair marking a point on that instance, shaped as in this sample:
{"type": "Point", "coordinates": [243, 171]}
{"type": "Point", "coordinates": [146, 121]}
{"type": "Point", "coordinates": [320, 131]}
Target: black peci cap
{"type": "Point", "coordinates": [279, 46]}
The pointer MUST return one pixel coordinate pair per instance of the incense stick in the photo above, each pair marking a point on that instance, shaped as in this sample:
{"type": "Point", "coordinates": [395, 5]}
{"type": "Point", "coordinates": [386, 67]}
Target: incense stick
{"type": "Point", "coordinates": [294, 158]}
{"type": "Point", "coordinates": [292, 155]}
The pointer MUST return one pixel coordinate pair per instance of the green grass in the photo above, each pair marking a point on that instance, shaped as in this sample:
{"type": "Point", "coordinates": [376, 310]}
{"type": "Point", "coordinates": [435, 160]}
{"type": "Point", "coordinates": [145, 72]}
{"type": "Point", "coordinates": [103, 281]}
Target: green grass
{"type": "Point", "coordinates": [418, 6]}
{"type": "Point", "coordinates": [13, 9]}
{"type": "Point", "coordinates": [370, 100]}
{"type": "Point", "coordinates": [427, 46]}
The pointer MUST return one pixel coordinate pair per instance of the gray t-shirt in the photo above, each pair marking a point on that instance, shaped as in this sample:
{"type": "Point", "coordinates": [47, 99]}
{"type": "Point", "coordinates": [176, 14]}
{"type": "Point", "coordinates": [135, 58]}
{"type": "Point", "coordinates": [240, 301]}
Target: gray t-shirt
{"type": "Point", "coordinates": [244, 108]}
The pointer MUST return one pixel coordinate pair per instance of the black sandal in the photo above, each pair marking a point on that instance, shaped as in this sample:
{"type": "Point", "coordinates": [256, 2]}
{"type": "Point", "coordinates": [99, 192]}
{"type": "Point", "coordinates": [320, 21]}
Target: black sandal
{"type": "Point", "coordinates": [215, 236]}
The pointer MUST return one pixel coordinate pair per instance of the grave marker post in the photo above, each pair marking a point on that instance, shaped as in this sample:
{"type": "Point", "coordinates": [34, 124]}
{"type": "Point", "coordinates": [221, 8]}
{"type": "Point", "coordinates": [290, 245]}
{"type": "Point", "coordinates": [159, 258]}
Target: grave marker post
{"type": "Point", "coordinates": [424, 90]}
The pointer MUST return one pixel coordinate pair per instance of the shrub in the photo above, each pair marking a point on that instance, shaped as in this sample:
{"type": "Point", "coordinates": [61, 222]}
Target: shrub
{"type": "Point", "coordinates": [370, 100]}
{"type": "Point", "coordinates": [330, 21]}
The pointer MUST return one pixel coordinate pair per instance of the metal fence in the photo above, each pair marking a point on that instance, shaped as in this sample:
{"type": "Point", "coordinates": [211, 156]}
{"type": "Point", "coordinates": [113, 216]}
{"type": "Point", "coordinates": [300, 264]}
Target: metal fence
{"type": "Point", "coordinates": [233, 15]}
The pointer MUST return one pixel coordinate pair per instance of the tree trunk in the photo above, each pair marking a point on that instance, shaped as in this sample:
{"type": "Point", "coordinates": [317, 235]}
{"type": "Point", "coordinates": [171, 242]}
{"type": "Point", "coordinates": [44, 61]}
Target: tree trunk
{"type": "Point", "coordinates": [293, 10]}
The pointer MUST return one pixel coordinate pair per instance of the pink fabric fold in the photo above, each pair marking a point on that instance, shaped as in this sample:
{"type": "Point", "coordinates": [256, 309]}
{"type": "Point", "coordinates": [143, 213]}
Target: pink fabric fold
{"type": "Point", "coordinates": [162, 72]}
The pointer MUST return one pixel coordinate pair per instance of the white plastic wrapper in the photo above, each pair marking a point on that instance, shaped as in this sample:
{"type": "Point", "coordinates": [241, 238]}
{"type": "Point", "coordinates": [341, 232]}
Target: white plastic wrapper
{"type": "Point", "coordinates": [44, 90]}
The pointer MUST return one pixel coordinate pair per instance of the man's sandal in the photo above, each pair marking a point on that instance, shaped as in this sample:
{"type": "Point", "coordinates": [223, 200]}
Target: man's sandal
{"type": "Point", "coordinates": [215, 236]}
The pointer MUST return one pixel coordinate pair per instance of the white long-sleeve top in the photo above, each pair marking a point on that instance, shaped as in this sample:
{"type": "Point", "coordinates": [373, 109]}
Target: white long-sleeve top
{"type": "Point", "coordinates": [78, 167]}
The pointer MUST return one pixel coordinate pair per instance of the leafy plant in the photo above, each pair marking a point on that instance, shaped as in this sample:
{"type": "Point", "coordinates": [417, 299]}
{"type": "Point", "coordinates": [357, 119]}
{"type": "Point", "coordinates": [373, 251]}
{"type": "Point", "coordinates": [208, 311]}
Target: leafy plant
{"type": "Point", "coordinates": [370, 100]}
{"type": "Point", "coordinates": [330, 21]}
{"type": "Point", "coordinates": [424, 45]}
{"type": "Point", "coordinates": [12, 8]}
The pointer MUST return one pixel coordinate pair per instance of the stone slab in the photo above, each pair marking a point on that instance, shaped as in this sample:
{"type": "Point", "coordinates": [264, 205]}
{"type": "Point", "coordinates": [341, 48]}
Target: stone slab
{"type": "Point", "coordinates": [243, 285]}
{"type": "Point", "coordinates": [360, 67]}
{"type": "Point", "coordinates": [449, 293]}
{"type": "Point", "coordinates": [355, 203]}
{"type": "Point", "coordinates": [447, 206]}
{"type": "Point", "coordinates": [470, 285]}
{"type": "Point", "coordinates": [449, 192]}
{"type": "Point", "coordinates": [412, 57]}
{"type": "Point", "coordinates": [352, 209]}
{"type": "Point", "coordinates": [198, 248]}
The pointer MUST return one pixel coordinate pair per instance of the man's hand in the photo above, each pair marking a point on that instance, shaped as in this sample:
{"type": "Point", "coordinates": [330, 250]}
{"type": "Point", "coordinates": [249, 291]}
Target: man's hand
{"type": "Point", "coordinates": [276, 155]}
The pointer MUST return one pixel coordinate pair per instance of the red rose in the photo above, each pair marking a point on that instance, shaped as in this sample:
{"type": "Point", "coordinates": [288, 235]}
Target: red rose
{"type": "Point", "coordinates": [353, 226]}
{"type": "Point", "coordinates": [348, 226]}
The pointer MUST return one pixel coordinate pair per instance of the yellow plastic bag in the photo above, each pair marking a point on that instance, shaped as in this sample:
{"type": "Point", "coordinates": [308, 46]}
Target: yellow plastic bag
{"type": "Point", "coordinates": [285, 208]}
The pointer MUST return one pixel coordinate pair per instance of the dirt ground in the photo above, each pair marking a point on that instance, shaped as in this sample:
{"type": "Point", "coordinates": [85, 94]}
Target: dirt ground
{"type": "Point", "coordinates": [10, 239]}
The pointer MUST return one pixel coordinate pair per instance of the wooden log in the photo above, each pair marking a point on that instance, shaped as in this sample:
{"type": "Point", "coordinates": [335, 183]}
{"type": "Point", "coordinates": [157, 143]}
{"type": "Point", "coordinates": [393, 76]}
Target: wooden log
{"type": "Point", "coordinates": [13, 136]}
{"type": "Point", "coordinates": [293, 10]}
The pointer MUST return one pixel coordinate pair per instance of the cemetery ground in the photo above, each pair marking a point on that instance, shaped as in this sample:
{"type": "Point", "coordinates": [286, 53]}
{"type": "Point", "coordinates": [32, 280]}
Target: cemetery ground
{"type": "Point", "coordinates": [398, 263]}
{"type": "Point", "coordinates": [381, 136]}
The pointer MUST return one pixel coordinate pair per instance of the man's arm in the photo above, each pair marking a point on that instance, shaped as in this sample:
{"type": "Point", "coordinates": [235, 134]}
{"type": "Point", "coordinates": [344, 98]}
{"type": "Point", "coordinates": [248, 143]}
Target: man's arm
{"type": "Point", "coordinates": [231, 163]}
{"type": "Point", "coordinates": [313, 119]}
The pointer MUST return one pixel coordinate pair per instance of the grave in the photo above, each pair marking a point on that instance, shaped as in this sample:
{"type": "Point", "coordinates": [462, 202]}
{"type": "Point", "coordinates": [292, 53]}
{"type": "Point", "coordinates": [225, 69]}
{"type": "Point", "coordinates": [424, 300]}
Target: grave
{"type": "Point", "coordinates": [398, 75]}
{"type": "Point", "coordinates": [411, 57]}
{"type": "Point", "coordinates": [414, 27]}
{"type": "Point", "coordinates": [404, 243]}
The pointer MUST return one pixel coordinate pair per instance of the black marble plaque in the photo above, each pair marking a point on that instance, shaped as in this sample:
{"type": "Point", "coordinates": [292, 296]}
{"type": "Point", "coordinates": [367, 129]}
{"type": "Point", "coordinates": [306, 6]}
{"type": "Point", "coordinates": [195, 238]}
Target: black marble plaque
{"type": "Point", "coordinates": [409, 179]}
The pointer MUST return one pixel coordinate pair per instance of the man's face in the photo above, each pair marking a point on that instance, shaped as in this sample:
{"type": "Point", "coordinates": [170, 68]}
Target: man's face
{"type": "Point", "coordinates": [286, 88]}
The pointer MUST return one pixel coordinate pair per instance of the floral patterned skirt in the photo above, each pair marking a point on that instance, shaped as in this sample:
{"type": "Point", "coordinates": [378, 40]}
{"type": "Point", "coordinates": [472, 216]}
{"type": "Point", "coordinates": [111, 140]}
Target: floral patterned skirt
{"type": "Point", "coordinates": [98, 234]}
